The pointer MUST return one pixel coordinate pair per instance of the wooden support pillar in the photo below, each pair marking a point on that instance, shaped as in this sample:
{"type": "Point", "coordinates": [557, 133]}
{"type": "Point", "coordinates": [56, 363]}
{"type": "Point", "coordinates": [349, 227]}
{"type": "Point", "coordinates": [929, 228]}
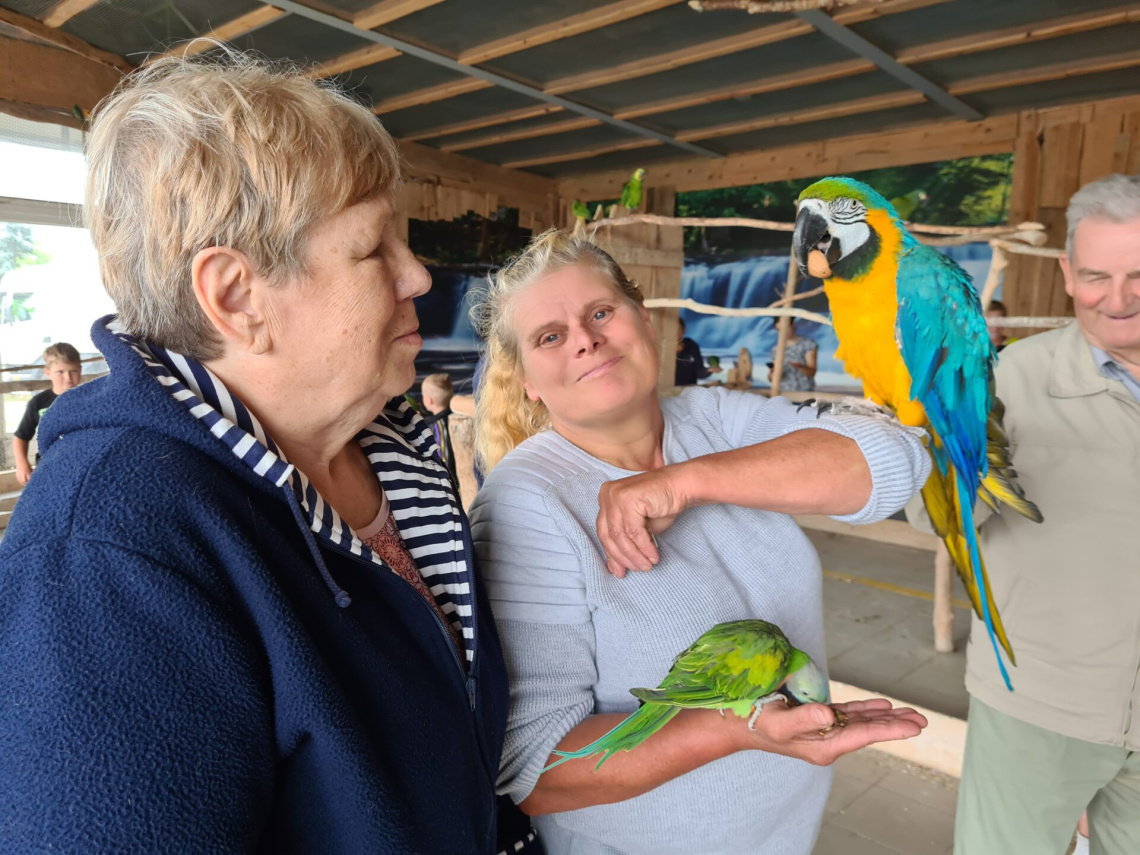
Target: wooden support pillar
{"type": "Point", "coordinates": [784, 325]}
{"type": "Point", "coordinates": [943, 591]}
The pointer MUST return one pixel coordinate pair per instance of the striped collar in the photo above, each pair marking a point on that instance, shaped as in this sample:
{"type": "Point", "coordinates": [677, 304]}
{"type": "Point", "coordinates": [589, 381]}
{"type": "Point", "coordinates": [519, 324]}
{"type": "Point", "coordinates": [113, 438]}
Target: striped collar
{"type": "Point", "coordinates": [403, 454]}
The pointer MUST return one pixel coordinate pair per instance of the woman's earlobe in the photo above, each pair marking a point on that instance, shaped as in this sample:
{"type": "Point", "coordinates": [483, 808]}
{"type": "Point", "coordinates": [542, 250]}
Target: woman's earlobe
{"type": "Point", "coordinates": [225, 287]}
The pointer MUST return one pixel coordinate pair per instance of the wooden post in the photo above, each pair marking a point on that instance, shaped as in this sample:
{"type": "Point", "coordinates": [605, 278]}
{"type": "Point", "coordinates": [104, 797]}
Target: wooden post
{"type": "Point", "coordinates": [784, 326]}
{"type": "Point", "coordinates": [943, 612]}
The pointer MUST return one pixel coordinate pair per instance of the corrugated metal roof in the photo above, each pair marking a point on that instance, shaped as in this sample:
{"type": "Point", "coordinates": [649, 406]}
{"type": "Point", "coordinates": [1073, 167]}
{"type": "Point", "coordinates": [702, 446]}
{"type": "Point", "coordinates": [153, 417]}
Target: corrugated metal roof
{"type": "Point", "coordinates": [669, 68]}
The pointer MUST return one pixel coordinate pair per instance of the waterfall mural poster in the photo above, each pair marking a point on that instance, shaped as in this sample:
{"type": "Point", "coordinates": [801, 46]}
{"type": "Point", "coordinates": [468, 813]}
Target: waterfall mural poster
{"type": "Point", "coordinates": [451, 346]}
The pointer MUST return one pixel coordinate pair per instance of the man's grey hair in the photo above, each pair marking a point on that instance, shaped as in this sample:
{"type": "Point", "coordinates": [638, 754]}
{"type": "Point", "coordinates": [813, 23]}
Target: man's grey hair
{"type": "Point", "coordinates": [1115, 198]}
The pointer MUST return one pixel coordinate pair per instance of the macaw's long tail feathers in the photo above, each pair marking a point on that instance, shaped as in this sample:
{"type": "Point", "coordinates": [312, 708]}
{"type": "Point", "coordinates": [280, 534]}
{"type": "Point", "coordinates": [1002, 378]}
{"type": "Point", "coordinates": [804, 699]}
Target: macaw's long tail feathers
{"type": "Point", "coordinates": [629, 734]}
{"type": "Point", "coordinates": [999, 482]}
{"type": "Point", "coordinates": [940, 497]}
{"type": "Point", "coordinates": [981, 593]}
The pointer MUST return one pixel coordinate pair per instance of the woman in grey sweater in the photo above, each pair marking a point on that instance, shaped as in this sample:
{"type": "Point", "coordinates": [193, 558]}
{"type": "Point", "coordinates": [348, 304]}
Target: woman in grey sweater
{"type": "Point", "coordinates": [591, 476]}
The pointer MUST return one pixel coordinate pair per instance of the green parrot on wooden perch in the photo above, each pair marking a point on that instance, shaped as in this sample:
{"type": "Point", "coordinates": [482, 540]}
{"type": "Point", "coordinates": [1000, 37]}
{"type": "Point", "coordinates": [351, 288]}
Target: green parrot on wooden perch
{"type": "Point", "coordinates": [630, 198]}
{"type": "Point", "coordinates": [737, 666]}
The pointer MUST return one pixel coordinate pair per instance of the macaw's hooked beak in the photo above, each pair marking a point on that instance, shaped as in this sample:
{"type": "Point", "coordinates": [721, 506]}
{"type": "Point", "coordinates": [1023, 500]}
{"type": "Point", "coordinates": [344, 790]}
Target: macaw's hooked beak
{"type": "Point", "coordinates": [811, 243]}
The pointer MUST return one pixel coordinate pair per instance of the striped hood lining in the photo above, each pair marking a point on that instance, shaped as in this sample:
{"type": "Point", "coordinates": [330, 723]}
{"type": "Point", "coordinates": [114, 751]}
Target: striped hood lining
{"type": "Point", "coordinates": [401, 449]}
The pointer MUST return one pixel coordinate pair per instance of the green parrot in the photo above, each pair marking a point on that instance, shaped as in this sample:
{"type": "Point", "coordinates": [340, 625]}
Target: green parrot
{"type": "Point", "coordinates": [581, 210]}
{"type": "Point", "coordinates": [907, 204]}
{"type": "Point", "coordinates": [630, 198]}
{"type": "Point", "coordinates": [737, 666]}
{"type": "Point", "coordinates": [714, 363]}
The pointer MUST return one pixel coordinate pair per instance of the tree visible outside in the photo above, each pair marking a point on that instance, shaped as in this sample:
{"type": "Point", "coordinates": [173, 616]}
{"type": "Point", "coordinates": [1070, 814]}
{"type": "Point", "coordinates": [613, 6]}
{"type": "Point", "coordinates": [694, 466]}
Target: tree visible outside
{"type": "Point", "coordinates": [17, 249]}
{"type": "Point", "coordinates": [969, 191]}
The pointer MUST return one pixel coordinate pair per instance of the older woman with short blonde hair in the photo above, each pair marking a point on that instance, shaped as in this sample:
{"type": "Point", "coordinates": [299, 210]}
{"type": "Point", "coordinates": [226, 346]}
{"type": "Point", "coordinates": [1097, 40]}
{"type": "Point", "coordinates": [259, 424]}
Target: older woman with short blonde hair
{"type": "Point", "coordinates": [238, 605]}
{"type": "Point", "coordinates": [592, 476]}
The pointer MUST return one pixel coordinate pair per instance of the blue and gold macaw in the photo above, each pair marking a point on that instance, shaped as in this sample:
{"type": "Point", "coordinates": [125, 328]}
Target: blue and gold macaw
{"type": "Point", "coordinates": [910, 326]}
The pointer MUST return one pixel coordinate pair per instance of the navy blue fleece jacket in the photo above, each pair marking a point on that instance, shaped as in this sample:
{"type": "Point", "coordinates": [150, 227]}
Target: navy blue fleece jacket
{"type": "Point", "coordinates": [176, 676]}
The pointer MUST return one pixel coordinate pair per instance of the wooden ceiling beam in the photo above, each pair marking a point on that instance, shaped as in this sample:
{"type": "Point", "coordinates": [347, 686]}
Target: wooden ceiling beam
{"type": "Point", "coordinates": [523, 134]}
{"type": "Point", "coordinates": [432, 93]}
{"type": "Point", "coordinates": [943, 49]}
{"type": "Point", "coordinates": [942, 140]}
{"type": "Point", "coordinates": [581, 155]}
{"type": "Point", "coordinates": [729, 45]}
{"type": "Point", "coordinates": [44, 79]}
{"type": "Point", "coordinates": [1045, 73]}
{"type": "Point", "coordinates": [583, 22]}
{"type": "Point", "coordinates": [40, 30]}
{"type": "Point", "coordinates": [432, 166]}
{"type": "Point", "coordinates": [65, 10]}
{"type": "Point", "coordinates": [875, 103]}
{"type": "Point", "coordinates": [387, 11]}
{"type": "Point", "coordinates": [484, 122]}
{"type": "Point", "coordinates": [806, 77]}
{"type": "Point", "coordinates": [1011, 36]}
{"type": "Point", "coordinates": [239, 26]}
{"type": "Point", "coordinates": [354, 59]}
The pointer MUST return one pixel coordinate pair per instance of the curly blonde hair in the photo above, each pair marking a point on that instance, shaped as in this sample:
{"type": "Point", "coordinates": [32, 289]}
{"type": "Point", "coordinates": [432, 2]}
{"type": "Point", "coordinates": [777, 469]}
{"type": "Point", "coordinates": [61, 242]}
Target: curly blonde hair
{"type": "Point", "coordinates": [504, 415]}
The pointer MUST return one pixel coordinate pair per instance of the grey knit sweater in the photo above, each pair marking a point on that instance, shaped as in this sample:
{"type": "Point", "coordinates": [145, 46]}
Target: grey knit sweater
{"type": "Point", "coordinates": [577, 639]}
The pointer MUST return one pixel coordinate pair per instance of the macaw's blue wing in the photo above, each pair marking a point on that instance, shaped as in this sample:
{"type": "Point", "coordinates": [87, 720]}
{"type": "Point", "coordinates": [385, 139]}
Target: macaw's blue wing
{"type": "Point", "coordinates": [945, 346]}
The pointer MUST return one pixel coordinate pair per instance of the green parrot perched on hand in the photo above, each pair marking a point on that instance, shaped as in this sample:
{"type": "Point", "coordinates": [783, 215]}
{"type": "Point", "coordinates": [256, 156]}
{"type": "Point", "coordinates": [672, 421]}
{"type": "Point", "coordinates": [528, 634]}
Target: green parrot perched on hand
{"type": "Point", "coordinates": [910, 326]}
{"type": "Point", "coordinates": [737, 666]}
{"type": "Point", "coordinates": [630, 198]}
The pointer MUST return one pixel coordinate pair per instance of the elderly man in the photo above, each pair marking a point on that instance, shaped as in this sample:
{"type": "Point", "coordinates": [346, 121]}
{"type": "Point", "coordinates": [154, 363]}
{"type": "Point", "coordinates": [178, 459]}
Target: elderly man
{"type": "Point", "coordinates": [1069, 589]}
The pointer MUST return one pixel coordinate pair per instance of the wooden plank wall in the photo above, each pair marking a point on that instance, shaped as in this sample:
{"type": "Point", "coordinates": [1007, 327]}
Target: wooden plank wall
{"type": "Point", "coordinates": [1056, 152]}
{"type": "Point", "coordinates": [653, 256]}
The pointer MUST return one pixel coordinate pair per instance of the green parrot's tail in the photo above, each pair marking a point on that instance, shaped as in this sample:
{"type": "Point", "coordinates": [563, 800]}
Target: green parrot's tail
{"type": "Point", "coordinates": [629, 734]}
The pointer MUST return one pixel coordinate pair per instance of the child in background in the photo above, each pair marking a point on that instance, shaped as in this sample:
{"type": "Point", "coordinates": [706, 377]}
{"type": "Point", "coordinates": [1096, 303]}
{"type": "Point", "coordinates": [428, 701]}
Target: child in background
{"type": "Point", "coordinates": [61, 365]}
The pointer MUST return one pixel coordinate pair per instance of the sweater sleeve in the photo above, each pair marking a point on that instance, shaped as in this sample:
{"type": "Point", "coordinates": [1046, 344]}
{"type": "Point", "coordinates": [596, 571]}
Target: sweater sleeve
{"type": "Point", "coordinates": [537, 592]}
{"type": "Point", "coordinates": [897, 458]}
{"type": "Point", "coordinates": [136, 712]}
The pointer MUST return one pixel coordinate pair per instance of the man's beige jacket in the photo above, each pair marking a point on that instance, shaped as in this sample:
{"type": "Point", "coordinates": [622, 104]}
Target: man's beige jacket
{"type": "Point", "coordinates": [1068, 588]}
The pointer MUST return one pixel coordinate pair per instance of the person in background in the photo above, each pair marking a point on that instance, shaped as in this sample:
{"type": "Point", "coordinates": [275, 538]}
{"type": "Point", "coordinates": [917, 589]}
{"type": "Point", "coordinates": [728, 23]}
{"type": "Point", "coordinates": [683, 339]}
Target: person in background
{"type": "Point", "coordinates": [437, 393]}
{"type": "Point", "coordinates": [690, 364]}
{"type": "Point", "coordinates": [1068, 736]}
{"type": "Point", "coordinates": [586, 467]}
{"type": "Point", "coordinates": [64, 369]}
{"type": "Point", "coordinates": [998, 335]}
{"type": "Point", "coordinates": [800, 357]}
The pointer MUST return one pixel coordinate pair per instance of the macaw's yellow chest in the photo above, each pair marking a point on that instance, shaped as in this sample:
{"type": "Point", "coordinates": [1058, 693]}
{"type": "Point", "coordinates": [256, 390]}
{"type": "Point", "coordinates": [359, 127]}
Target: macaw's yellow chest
{"type": "Point", "coordinates": [864, 313]}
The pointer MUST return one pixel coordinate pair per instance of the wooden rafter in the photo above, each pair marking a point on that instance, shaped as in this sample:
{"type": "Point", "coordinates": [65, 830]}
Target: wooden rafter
{"type": "Point", "coordinates": [65, 10]}
{"type": "Point", "coordinates": [60, 39]}
{"type": "Point", "coordinates": [982, 83]}
{"type": "Point", "coordinates": [485, 122]}
{"type": "Point", "coordinates": [228, 31]}
{"type": "Point", "coordinates": [723, 47]}
{"type": "Point", "coordinates": [1044, 73]}
{"type": "Point", "coordinates": [387, 11]}
{"type": "Point", "coordinates": [829, 111]}
{"type": "Point", "coordinates": [562, 29]}
{"type": "Point", "coordinates": [975, 43]}
{"type": "Point", "coordinates": [39, 81]}
{"type": "Point", "coordinates": [820, 74]}
{"type": "Point", "coordinates": [678, 58]}
{"type": "Point", "coordinates": [581, 155]}
{"type": "Point", "coordinates": [433, 93]}
{"type": "Point", "coordinates": [941, 140]}
{"type": "Point", "coordinates": [524, 134]}
{"type": "Point", "coordinates": [1026, 34]}
{"type": "Point", "coordinates": [355, 59]}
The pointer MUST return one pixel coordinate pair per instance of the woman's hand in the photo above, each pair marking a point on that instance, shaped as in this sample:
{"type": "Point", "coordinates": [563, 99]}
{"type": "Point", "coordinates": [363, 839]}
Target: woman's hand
{"type": "Point", "coordinates": [810, 732]}
{"type": "Point", "coordinates": [632, 510]}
